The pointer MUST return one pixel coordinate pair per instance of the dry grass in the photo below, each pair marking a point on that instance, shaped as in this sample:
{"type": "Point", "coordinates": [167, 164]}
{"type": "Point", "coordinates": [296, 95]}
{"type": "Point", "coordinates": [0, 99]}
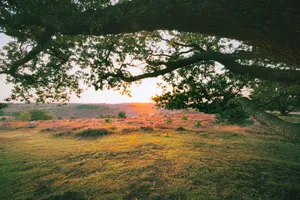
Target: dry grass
{"type": "Point", "coordinates": [206, 162]}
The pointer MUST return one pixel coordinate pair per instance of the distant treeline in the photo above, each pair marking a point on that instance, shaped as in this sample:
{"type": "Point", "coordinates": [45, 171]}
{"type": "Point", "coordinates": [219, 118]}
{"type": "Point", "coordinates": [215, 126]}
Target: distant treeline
{"type": "Point", "coordinates": [91, 107]}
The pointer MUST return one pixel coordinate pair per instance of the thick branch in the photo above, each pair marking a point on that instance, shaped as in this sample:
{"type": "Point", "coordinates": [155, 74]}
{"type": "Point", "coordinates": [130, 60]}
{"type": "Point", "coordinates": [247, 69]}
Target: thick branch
{"type": "Point", "coordinates": [257, 22]}
{"type": "Point", "coordinates": [275, 124]}
{"type": "Point", "coordinates": [13, 68]}
{"type": "Point", "coordinates": [228, 60]}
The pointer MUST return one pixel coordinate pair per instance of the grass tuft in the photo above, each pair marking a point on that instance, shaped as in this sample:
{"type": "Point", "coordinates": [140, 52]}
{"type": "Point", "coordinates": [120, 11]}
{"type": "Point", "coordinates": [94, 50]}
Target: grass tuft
{"type": "Point", "coordinates": [93, 133]}
{"type": "Point", "coordinates": [180, 129]}
{"type": "Point", "coordinates": [147, 128]}
{"type": "Point", "coordinates": [128, 130]}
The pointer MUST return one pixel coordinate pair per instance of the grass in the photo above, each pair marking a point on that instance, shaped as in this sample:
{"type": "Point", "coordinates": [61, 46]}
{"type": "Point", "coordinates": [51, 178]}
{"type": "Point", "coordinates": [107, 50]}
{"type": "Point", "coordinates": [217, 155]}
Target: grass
{"type": "Point", "coordinates": [216, 162]}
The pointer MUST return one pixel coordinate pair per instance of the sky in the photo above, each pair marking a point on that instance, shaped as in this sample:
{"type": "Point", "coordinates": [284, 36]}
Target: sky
{"type": "Point", "coordinates": [140, 93]}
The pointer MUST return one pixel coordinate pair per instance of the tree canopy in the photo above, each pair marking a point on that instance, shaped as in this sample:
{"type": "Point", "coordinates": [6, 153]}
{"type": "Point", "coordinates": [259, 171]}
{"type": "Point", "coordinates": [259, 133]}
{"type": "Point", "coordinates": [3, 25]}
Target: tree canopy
{"type": "Point", "coordinates": [209, 50]}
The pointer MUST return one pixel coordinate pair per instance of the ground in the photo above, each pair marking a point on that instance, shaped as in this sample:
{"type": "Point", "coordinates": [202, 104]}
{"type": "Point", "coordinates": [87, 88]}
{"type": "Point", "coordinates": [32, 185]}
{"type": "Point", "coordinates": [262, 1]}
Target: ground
{"type": "Point", "coordinates": [158, 157]}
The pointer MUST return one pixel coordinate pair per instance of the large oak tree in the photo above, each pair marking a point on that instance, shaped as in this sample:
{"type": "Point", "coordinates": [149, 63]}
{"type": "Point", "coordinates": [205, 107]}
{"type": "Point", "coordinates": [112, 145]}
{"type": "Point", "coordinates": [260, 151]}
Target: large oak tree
{"type": "Point", "coordinates": [59, 43]}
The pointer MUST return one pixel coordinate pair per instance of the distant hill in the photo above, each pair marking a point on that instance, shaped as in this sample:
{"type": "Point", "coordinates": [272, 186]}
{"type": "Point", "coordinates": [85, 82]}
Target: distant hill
{"type": "Point", "coordinates": [88, 110]}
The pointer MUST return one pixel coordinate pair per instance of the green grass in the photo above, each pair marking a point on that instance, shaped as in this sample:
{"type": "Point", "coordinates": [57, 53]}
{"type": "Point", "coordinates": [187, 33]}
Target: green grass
{"type": "Point", "coordinates": [141, 165]}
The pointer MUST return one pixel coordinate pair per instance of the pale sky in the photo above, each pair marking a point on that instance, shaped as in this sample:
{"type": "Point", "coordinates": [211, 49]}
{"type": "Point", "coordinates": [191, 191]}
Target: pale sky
{"type": "Point", "coordinates": [140, 93]}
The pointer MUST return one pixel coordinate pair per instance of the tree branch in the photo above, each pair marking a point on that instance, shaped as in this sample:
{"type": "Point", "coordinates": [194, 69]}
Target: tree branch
{"type": "Point", "coordinates": [229, 62]}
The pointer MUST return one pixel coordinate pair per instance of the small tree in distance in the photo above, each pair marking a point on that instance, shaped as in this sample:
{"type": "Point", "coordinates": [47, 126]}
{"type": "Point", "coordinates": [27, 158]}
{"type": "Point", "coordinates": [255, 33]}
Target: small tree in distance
{"type": "Point", "coordinates": [122, 115]}
{"type": "Point", "coordinates": [34, 115]}
{"type": "Point", "coordinates": [2, 106]}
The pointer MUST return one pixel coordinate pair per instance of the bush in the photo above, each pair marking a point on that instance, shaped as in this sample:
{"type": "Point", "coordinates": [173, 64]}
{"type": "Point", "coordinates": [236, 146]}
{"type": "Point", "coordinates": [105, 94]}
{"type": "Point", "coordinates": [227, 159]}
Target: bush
{"type": "Point", "coordinates": [146, 128]}
{"type": "Point", "coordinates": [169, 120]}
{"type": "Point", "coordinates": [91, 107]}
{"type": "Point", "coordinates": [93, 133]}
{"type": "Point", "coordinates": [198, 124]}
{"type": "Point", "coordinates": [62, 134]}
{"type": "Point", "coordinates": [128, 130]}
{"type": "Point", "coordinates": [108, 120]}
{"type": "Point", "coordinates": [184, 118]}
{"type": "Point", "coordinates": [180, 129]}
{"type": "Point", "coordinates": [122, 114]}
{"type": "Point", "coordinates": [33, 115]}
{"type": "Point", "coordinates": [39, 115]}
{"type": "Point", "coordinates": [2, 106]}
{"type": "Point", "coordinates": [3, 119]}
{"type": "Point", "coordinates": [24, 116]}
{"type": "Point", "coordinates": [233, 116]}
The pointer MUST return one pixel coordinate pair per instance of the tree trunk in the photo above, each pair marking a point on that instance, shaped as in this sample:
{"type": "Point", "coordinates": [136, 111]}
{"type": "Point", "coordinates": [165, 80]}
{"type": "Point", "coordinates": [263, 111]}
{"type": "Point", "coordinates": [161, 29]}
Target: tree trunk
{"type": "Point", "coordinates": [275, 124]}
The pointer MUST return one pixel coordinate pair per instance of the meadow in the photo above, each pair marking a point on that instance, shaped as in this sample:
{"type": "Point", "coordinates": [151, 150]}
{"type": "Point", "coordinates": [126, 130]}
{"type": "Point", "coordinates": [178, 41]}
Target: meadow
{"type": "Point", "coordinates": [163, 157]}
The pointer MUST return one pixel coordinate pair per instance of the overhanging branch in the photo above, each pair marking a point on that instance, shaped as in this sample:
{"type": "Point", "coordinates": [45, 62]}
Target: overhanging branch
{"type": "Point", "coordinates": [229, 62]}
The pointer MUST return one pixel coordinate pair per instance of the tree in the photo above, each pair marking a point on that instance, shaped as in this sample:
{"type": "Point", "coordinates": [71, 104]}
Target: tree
{"type": "Point", "coordinates": [277, 97]}
{"type": "Point", "coordinates": [108, 40]}
{"type": "Point", "coordinates": [34, 115]}
{"type": "Point", "coordinates": [2, 106]}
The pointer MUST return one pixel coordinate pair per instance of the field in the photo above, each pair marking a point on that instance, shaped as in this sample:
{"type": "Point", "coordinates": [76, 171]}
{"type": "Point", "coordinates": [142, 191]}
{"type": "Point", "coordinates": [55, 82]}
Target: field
{"type": "Point", "coordinates": [158, 157]}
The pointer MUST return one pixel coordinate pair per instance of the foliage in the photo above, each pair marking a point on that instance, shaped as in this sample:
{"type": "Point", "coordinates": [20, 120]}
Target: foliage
{"type": "Point", "coordinates": [2, 118]}
{"type": "Point", "coordinates": [39, 115]}
{"type": "Point", "coordinates": [33, 115]}
{"type": "Point", "coordinates": [197, 124]}
{"type": "Point", "coordinates": [47, 73]}
{"type": "Point", "coordinates": [233, 115]}
{"type": "Point", "coordinates": [147, 128]}
{"type": "Point", "coordinates": [169, 120]}
{"type": "Point", "coordinates": [108, 120]}
{"type": "Point", "coordinates": [2, 107]}
{"type": "Point", "coordinates": [274, 96]}
{"type": "Point", "coordinates": [180, 129]}
{"type": "Point", "coordinates": [111, 46]}
{"type": "Point", "coordinates": [24, 116]}
{"type": "Point", "coordinates": [122, 114]}
{"type": "Point", "coordinates": [184, 118]}
{"type": "Point", "coordinates": [90, 107]}
{"type": "Point", "coordinates": [93, 133]}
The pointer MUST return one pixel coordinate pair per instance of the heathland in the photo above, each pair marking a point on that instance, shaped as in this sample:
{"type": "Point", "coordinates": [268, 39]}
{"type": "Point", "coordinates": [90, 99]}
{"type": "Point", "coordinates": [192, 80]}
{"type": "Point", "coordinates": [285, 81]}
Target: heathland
{"type": "Point", "coordinates": [158, 156]}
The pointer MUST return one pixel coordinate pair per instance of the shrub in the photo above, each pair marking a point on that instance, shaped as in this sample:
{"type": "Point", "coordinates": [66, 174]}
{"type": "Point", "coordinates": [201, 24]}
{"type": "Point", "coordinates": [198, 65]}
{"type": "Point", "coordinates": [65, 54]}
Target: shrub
{"type": "Point", "coordinates": [180, 129]}
{"type": "Point", "coordinates": [24, 116]}
{"type": "Point", "coordinates": [184, 118]}
{"type": "Point", "coordinates": [169, 120]}
{"type": "Point", "coordinates": [106, 116]}
{"type": "Point", "coordinates": [233, 116]}
{"type": "Point", "coordinates": [128, 130]}
{"type": "Point", "coordinates": [91, 107]}
{"type": "Point", "coordinates": [61, 134]}
{"type": "Point", "coordinates": [59, 118]}
{"type": "Point", "coordinates": [33, 115]}
{"type": "Point", "coordinates": [48, 130]}
{"type": "Point", "coordinates": [146, 128]}
{"type": "Point", "coordinates": [108, 120]}
{"type": "Point", "coordinates": [198, 124]}
{"type": "Point", "coordinates": [74, 117]}
{"type": "Point", "coordinates": [93, 133]}
{"type": "Point", "coordinates": [3, 119]}
{"type": "Point", "coordinates": [39, 115]}
{"type": "Point", "coordinates": [2, 106]}
{"type": "Point", "coordinates": [122, 114]}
